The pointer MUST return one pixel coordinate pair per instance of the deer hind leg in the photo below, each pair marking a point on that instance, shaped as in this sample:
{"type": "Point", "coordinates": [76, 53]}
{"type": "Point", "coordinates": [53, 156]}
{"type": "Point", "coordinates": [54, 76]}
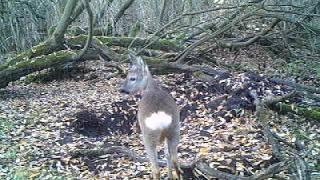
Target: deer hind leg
{"type": "Point", "coordinates": [172, 145]}
{"type": "Point", "coordinates": [151, 149]}
{"type": "Point", "coordinates": [169, 161]}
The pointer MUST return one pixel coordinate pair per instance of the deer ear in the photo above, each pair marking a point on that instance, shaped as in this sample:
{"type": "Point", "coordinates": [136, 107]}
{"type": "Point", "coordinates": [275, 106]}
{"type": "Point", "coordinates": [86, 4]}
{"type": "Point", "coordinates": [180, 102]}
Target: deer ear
{"type": "Point", "coordinates": [132, 58]}
{"type": "Point", "coordinates": [135, 59]}
{"type": "Point", "coordinates": [146, 69]}
{"type": "Point", "coordinates": [140, 61]}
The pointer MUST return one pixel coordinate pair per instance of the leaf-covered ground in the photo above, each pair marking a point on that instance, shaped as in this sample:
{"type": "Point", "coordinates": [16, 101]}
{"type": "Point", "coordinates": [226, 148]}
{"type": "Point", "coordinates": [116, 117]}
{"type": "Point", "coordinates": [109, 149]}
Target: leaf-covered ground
{"type": "Point", "coordinates": [41, 124]}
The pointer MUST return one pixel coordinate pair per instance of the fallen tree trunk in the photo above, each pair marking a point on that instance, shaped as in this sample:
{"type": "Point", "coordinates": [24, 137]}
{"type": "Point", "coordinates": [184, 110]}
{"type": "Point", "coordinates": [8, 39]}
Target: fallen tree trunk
{"type": "Point", "coordinates": [20, 68]}
{"type": "Point", "coordinates": [309, 113]}
{"type": "Point", "coordinates": [37, 59]}
{"type": "Point", "coordinates": [14, 72]}
{"type": "Point", "coordinates": [294, 162]}
{"type": "Point", "coordinates": [60, 58]}
{"type": "Point", "coordinates": [54, 42]}
{"type": "Point", "coordinates": [161, 44]}
{"type": "Point", "coordinates": [35, 51]}
{"type": "Point", "coordinates": [296, 85]}
{"type": "Point", "coordinates": [278, 105]}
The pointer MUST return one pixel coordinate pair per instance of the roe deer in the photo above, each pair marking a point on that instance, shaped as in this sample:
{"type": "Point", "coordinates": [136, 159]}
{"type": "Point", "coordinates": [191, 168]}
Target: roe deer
{"type": "Point", "coordinates": [158, 115]}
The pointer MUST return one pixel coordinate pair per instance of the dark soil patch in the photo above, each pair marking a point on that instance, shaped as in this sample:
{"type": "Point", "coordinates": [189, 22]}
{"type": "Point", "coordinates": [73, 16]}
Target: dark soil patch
{"type": "Point", "coordinates": [95, 124]}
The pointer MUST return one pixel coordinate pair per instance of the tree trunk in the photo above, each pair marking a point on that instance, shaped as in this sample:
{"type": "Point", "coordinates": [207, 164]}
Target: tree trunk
{"type": "Point", "coordinates": [37, 59]}
{"type": "Point", "coordinates": [163, 10]}
{"type": "Point", "coordinates": [54, 42]}
{"type": "Point", "coordinates": [120, 13]}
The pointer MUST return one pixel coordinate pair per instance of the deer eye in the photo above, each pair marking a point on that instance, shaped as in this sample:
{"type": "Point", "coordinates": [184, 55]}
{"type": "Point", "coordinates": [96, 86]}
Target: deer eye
{"type": "Point", "coordinates": [132, 79]}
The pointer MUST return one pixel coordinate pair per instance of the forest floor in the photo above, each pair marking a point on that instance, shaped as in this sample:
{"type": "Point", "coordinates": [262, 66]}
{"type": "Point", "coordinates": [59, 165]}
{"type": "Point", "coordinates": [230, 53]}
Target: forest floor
{"type": "Point", "coordinates": [43, 123]}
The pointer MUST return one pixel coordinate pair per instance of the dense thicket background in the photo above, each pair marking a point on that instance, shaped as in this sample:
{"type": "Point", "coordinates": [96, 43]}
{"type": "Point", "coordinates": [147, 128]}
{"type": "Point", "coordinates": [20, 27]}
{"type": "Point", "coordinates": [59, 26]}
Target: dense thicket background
{"type": "Point", "coordinates": [230, 46]}
{"type": "Point", "coordinates": [295, 38]}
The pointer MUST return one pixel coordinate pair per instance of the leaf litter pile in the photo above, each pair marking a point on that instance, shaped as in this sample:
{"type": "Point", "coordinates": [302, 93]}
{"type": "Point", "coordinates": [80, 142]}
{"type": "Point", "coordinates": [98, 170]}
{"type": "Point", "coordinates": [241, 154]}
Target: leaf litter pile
{"type": "Point", "coordinates": [43, 124]}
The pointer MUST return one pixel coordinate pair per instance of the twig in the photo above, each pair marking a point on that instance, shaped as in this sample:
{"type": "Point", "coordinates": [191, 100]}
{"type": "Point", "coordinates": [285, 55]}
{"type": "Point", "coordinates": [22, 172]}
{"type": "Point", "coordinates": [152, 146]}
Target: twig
{"type": "Point", "coordinates": [182, 16]}
{"type": "Point", "coordinates": [269, 101]}
{"type": "Point", "coordinates": [291, 12]}
{"type": "Point", "coordinates": [269, 172]}
{"type": "Point", "coordinates": [195, 164]}
{"type": "Point", "coordinates": [296, 85]}
{"type": "Point", "coordinates": [251, 40]}
{"type": "Point", "coordinates": [183, 54]}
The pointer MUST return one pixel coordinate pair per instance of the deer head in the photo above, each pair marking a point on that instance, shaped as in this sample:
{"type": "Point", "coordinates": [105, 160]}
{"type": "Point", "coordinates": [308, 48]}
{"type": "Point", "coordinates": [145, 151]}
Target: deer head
{"type": "Point", "coordinates": [138, 75]}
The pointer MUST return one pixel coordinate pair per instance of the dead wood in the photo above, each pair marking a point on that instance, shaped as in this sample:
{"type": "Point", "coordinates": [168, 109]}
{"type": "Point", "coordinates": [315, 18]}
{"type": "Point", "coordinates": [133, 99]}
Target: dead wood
{"type": "Point", "coordinates": [105, 51]}
{"type": "Point", "coordinates": [213, 173]}
{"type": "Point", "coordinates": [26, 67]}
{"type": "Point", "coordinates": [219, 31]}
{"type": "Point", "coordinates": [263, 116]}
{"type": "Point", "coordinates": [157, 35]}
{"type": "Point", "coordinates": [53, 43]}
{"type": "Point", "coordinates": [307, 112]}
{"type": "Point", "coordinates": [251, 40]}
{"type": "Point", "coordinates": [185, 166]}
{"type": "Point", "coordinates": [297, 86]}
{"type": "Point", "coordinates": [273, 100]}
{"type": "Point", "coordinates": [277, 104]}
{"type": "Point", "coordinates": [161, 44]}
{"type": "Point", "coordinates": [109, 150]}
{"type": "Point", "coordinates": [295, 164]}
{"type": "Point", "coordinates": [13, 71]}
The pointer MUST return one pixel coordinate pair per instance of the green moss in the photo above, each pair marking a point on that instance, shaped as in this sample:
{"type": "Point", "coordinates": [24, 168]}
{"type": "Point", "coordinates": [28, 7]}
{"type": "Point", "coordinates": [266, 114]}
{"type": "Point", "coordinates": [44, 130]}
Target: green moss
{"type": "Point", "coordinates": [55, 74]}
{"type": "Point", "coordinates": [51, 30]}
{"type": "Point", "coordinates": [135, 30]}
{"type": "Point", "coordinates": [14, 72]}
{"type": "Point", "coordinates": [35, 51]}
{"type": "Point", "coordinates": [197, 73]}
{"type": "Point", "coordinates": [11, 153]}
{"type": "Point", "coordinates": [5, 126]}
{"type": "Point", "coordinates": [303, 68]}
{"type": "Point", "coordinates": [162, 44]}
{"type": "Point", "coordinates": [301, 134]}
{"type": "Point", "coordinates": [19, 173]}
{"type": "Point", "coordinates": [310, 113]}
{"type": "Point", "coordinates": [317, 166]}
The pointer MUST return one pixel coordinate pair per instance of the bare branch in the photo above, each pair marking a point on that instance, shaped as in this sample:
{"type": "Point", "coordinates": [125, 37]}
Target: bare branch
{"type": "Point", "coordinates": [184, 53]}
{"type": "Point", "coordinates": [120, 13]}
{"type": "Point", "coordinates": [90, 21]}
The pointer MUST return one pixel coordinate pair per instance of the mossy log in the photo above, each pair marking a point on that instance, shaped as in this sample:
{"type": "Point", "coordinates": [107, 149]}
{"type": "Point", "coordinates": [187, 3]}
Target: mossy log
{"type": "Point", "coordinates": [46, 47]}
{"type": "Point", "coordinates": [58, 59]}
{"type": "Point", "coordinates": [53, 43]}
{"type": "Point", "coordinates": [161, 44]}
{"type": "Point", "coordinates": [278, 104]}
{"type": "Point", "coordinates": [102, 31]}
{"type": "Point", "coordinates": [14, 71]}
{"type": "Point", "coordinates": [42, 48]}
{"type": "Point", "coordinates": [309, 113]}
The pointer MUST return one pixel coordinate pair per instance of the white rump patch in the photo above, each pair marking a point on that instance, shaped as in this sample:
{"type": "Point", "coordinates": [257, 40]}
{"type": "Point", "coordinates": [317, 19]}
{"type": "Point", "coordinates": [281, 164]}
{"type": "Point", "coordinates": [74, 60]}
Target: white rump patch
{"type": "Point", "coordinates": [158, 120]}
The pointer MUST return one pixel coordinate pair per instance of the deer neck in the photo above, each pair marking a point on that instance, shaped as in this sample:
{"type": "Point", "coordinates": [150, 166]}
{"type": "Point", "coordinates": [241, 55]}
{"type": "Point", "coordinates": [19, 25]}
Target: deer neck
{"type": "Point", "coordinates": [151, 84]}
